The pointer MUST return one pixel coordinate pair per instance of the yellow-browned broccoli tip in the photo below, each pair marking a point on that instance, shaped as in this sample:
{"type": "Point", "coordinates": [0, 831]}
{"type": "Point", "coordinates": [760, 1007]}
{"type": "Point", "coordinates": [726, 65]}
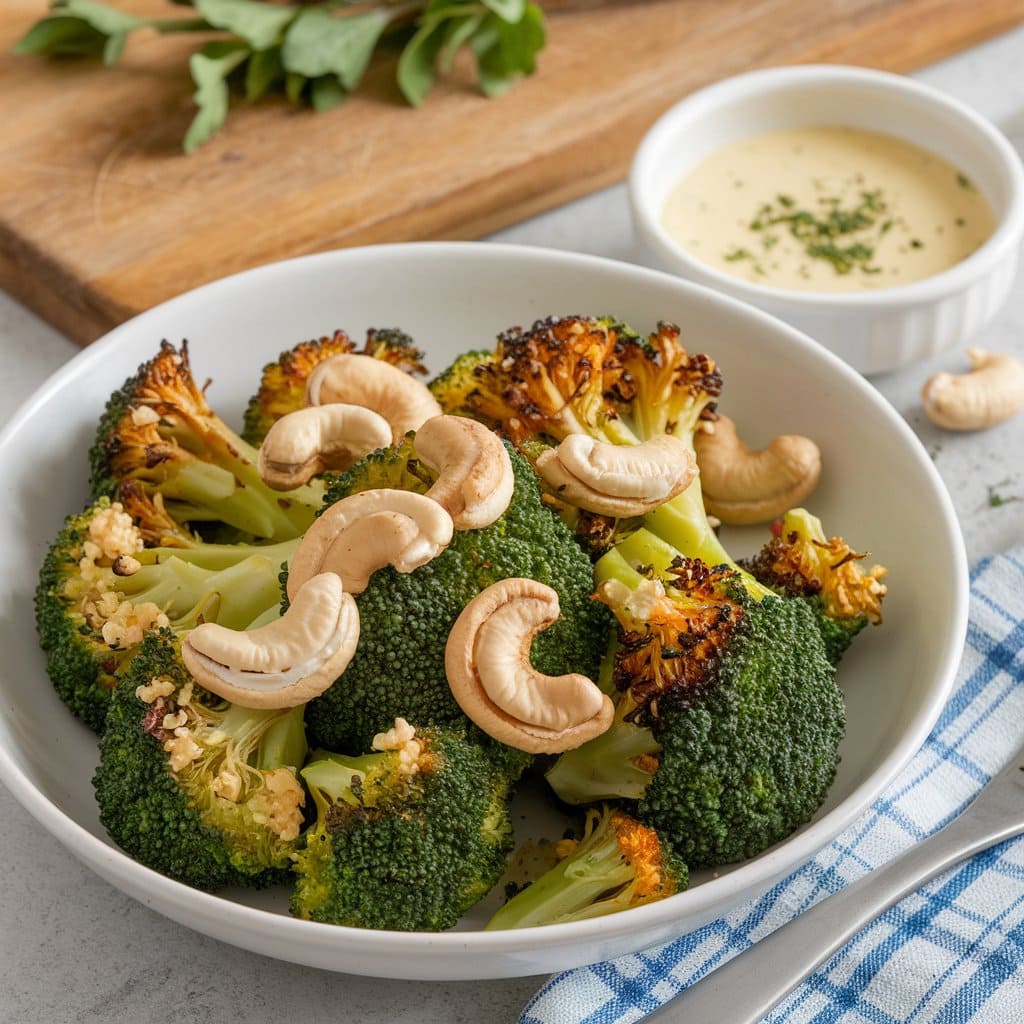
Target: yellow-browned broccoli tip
{"type": "Point", "coordinates": [583, 375]}
{"type": "Point", "coordinates": [157, 527]}
{"type": "Point", "coordinates": [557, 377]}
{"type": "Point", "coordinates": [673, 367]}
{"type": "Point", "coordinates": [642, 848]}
{"type": "Point", "coordinates": [673, 633]}
{"type": "Point", "coordinates": [799, 560]}
{"type": "Point", "coordinates": [617, 863]}
{"type": "Point", "coordinates": [283, 382]}
{"type": "Point", "coordinates": [168, 388]}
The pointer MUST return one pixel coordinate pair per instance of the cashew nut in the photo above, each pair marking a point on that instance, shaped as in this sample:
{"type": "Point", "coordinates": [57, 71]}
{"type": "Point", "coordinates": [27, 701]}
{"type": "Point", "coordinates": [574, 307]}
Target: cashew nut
{"type": "Point", "coordinates": [475, 481]}
{"type": "Point", "coordinates": [362, 380]}
{"type": "Point", "coordinates": [617, 480]}
{"type": "Point", "coordinates": [742, 486]}
{"type": "Point", "coordinates": [487, 661]}
{"type": "Point", "coordinates": [287, 662]}
{"type": "Point", "coordinates": [366, 531]}
{"type": "Point", "coordinates": [991, 392]}
{"type": "Point", "coordinates": [308, 441]}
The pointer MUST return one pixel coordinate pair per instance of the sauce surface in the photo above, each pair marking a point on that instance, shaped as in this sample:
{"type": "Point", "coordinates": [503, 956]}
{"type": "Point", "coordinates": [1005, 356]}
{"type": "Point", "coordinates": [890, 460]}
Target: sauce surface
{"type": "Point", "coordinates": [827, 209]}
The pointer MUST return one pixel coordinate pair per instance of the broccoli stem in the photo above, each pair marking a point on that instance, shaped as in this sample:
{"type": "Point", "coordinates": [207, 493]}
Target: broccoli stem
{"type": "Point", "coordinates": [233, 596]}
{"type": "Point", "coordinates": [618, 764]}
{"type": "Point", "coordinates": [331, 778]}
{"type": "Point", "coordinates": [617, 431]}
{"type": "Point", "coordinates": [284, 743]}
{"type": "Point", "coordinates": [683, 523]}
{"type": "Point", "coordinates": [219, 556]}
{"type": "Point", "coordinates": [265, 738]}
{"type": "Point", "coordinates": [201, 491]}
{"type": "Point", "coordinates": [572, 889]}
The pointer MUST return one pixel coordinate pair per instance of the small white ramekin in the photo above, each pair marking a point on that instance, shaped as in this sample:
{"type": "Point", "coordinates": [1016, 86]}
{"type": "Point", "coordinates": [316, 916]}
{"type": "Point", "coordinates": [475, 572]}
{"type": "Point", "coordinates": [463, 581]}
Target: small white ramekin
{"type": "Point", "coordinates": [877, 330]}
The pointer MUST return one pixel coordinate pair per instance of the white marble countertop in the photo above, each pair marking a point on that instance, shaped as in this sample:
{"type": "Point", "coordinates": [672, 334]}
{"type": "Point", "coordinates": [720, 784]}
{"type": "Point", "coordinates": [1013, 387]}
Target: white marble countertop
{"type": "Point", "coordinates": [74, 949]}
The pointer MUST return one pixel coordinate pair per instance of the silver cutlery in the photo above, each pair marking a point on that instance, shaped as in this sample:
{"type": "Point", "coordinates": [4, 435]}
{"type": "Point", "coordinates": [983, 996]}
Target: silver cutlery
{"type": "Point", "coordinates": [745, 990]}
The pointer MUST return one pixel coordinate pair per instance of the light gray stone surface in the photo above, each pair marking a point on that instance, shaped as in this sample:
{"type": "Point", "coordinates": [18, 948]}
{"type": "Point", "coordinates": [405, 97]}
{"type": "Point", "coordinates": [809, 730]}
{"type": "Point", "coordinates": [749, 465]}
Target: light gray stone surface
{"type": "Point", "coordinates": [74, 949]}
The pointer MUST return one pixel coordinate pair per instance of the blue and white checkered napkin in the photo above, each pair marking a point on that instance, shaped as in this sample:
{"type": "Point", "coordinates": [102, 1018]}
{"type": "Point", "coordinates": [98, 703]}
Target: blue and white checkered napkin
{"type": "Point", "coordinates": [951, 953]}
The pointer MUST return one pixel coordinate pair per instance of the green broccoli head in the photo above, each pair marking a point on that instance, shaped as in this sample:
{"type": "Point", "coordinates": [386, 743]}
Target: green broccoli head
{"type": "Point", "coordinates": [752, 760]}
{"type": "Point", "coordinates": [160, 445]}
{"type": "Point", "coordinates": [283, 383]}
{"type": "Point", "coordinates": [617, 864]}
{"type": "Point", "coordinates": [100, 592]}
{"type": "Point", "coordinates": [193, 787]}
{"type": "Point", "coordinates": [398, 668]}
{"type": "Point", "coordinates": [733, 719]}
{"type": "Point", "coordinates": [800, 561]}
{"type": "Point", "coordinates": [407, 838]}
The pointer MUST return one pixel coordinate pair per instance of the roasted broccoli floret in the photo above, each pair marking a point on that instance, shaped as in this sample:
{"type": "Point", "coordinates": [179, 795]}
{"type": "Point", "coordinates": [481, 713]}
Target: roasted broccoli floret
{"type": "Point", "coordinates": [800, 561]}
{"type": "Point", "coordinates": [100, 592]}
{"type": "Point", "coordinates": [409, 837]}
{"type": "Point", "coordinates": [729, 708]}
{"type": "Point", "coordinates": [618, 863]}
{"type": "Point", "coordinates": [595, 376]}
{"type": "Point", "coordinates": [283, 384]}
{"type": "Point", "coordinates": [398, 668]}
{"type": "Point", "coordinates": [161, 444]}
{"type": "Point", "coordinates": [201, 790]}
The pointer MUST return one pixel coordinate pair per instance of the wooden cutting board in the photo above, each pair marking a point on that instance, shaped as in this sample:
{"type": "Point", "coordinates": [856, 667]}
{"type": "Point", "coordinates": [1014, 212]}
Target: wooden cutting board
{"type": "Point", "coordinates": [102, 217]}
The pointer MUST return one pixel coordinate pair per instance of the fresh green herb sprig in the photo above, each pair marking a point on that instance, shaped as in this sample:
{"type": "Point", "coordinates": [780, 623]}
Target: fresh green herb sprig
{"type": "Point", "coordinates": [844, 237]}
{"type": "Point", "coordinates": [313, 53]}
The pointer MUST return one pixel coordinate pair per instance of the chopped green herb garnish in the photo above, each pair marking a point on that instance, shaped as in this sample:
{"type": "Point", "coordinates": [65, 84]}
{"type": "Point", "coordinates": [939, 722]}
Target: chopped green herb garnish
{"type": "Point", "coordinates": [995, 499]}
{"type": "Point", "coordinates": [738, 254]}
{"type": "Point", "coordinates": [842, 237]}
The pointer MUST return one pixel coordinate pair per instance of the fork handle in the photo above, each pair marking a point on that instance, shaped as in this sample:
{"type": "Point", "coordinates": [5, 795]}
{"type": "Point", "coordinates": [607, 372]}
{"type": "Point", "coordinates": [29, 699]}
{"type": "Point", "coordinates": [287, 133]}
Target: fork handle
{"type": "Point", "coordinates": [744, 990]}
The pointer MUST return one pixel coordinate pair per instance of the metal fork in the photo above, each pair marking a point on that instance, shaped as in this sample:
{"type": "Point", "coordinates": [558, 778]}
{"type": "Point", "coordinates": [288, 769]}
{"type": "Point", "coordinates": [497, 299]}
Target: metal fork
{"type": "Point", "coordinates": [744, 990]}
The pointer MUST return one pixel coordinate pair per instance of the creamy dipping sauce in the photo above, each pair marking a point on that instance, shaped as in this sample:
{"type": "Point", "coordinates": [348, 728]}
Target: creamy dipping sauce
{"type": "Point", "coordinates": [827, 209]}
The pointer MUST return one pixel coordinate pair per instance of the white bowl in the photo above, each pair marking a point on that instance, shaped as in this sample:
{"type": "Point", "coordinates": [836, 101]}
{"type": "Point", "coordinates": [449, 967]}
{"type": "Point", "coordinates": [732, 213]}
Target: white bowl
{"type": "Point", "coordinates": [879, 488]}
{"type": "Point", "coordinates": [876, 330]}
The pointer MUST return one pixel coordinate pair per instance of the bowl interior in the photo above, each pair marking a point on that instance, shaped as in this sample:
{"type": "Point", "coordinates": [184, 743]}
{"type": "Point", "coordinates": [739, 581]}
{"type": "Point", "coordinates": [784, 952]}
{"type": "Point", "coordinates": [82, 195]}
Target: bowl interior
{"type": "Point", "coordinates": [806, 97]}
{"type": "Point", "coordinates": [879, 488]}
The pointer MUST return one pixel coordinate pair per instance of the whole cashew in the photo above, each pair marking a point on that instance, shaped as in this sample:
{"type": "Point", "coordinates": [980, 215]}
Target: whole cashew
{"type": "Point", "coordinates": [285, 663]}
{"type": "Point", "coordinates": [742, 486]}
{"type": "Point", "coordinates": [990, 393]}
{"type": "Point", "coordinates": [475, 480]}
{"type": "Point", "coordinates": [309, 441]}
{"type": "Point", "coordinates": [366, 531]}
{"type": "Point", "coordinates": [362, 380]}
{"type": "Point", "coordinates": [487, 662]}
{"type": "Point", "coordinates": [617, 480]}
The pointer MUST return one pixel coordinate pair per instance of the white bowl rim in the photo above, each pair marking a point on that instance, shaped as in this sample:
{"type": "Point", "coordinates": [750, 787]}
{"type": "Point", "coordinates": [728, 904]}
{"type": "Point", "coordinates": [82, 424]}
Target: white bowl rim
{"type": "Point", "coordinates": [712, 897]}
{"type": "Point", "coordinates": [1008, 233]}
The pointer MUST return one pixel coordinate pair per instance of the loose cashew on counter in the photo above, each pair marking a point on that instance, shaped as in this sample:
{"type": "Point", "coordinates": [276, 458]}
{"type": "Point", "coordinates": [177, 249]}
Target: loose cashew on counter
{"type": "Point", "coordinates": [617, 480]}
{"type": "Point", "coordinates": [742, 486]}
{"type": "Point", "coordinates": [288, 661]}
{"type": "Point", "coordinates": [403, 401]}
{"type": "Point", "coordinates": [366, 531]}
{"type": "Point", "coordinates": [990, 393]}
{"type": "Point", "coordinates": [475, 479]}
{"type": "Point", "coordinates": [487, 661]}
{"type": "Point", "coordinates": [306, 442]}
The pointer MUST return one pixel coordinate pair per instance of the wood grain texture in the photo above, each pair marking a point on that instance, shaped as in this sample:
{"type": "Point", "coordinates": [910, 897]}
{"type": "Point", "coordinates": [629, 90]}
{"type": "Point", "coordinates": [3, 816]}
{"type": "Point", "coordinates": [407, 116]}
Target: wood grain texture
{"type": "Point", "coordinates": [102, 217]}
